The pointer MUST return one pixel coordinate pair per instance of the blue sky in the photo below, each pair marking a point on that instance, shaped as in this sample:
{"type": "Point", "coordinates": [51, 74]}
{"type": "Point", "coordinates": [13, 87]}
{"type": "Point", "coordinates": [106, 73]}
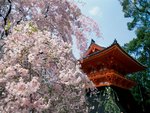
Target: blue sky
{"type": "Point", "coordinates": [109, 16]}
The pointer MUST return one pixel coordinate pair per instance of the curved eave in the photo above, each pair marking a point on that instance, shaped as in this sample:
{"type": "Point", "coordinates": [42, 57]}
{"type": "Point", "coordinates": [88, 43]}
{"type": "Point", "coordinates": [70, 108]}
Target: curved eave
{"type": "Point", "coordinates": [128, 61]}
{"type": "Point", "coordinates": [141, 67]}
{"type": "Point", "coordinates": [91, 47]}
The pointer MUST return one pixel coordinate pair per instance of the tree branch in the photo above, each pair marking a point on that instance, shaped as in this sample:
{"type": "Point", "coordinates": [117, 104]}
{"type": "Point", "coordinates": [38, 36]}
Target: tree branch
{"type": "Point", "coordinates": [6, 16]}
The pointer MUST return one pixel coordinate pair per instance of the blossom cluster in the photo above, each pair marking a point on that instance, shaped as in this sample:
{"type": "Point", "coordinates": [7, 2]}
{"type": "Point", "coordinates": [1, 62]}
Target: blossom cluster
{"type": "Point", "coordinates": [38, 73]}
{"type": "Point", "coordinates": [60, 17]}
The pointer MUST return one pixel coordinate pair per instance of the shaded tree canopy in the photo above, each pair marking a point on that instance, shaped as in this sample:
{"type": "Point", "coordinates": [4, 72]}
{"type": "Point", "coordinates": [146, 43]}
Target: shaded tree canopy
{"type": "Point", "coordinates": [139, 13]}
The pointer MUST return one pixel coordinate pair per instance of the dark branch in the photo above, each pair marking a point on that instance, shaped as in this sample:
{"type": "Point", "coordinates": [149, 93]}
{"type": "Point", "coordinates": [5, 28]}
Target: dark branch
{"type": "Point", "coordinates": [6, 16]}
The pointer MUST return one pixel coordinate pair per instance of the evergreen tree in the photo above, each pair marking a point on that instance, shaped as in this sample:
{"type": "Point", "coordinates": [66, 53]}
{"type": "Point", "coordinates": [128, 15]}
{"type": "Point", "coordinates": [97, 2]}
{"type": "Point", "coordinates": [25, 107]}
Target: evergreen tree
{"type": "Point", "coordinates": [139, 13]}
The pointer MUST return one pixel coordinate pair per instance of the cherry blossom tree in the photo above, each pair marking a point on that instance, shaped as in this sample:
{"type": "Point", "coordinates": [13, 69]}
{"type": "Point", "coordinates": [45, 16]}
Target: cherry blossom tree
{"type": "Point", "coordinates": [38, 73]}
{"type": "Point", "coordinates": [60, 17]}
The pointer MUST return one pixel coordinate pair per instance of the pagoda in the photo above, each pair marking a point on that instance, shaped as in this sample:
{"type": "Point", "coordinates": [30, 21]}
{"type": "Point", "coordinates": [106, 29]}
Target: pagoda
{"type": "Point", "coordinates": [108, 67]}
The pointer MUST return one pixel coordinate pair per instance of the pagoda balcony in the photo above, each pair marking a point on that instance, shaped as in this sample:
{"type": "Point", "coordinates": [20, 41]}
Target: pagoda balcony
{"type": "Point", "coordinates": [110, 78]}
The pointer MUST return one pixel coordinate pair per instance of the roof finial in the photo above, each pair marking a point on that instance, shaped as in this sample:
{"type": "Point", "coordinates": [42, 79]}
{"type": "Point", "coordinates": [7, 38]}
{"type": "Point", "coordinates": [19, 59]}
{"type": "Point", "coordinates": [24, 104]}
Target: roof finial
{"type": "Point", "coordinates": [115, 41]}
{"type": "Point", "coordinates": [92, 41]}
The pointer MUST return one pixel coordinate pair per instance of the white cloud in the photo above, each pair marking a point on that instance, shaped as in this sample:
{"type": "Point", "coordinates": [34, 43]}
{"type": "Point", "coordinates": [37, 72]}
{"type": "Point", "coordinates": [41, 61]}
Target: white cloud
{"type": "Point", "coordinates": [95, 11]}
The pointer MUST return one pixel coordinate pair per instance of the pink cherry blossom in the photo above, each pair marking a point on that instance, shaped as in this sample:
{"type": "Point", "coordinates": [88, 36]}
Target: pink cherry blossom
{"type": "Point", "coordinates": [40, 74]}
{"type": "Point", "coordinates": [37, 69]}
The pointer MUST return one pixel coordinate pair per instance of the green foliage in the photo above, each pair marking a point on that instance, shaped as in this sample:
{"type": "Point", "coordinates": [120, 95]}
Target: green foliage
{"type": "Point", "coordinates": [104, 100]}
{"type": "Point", "coordinates": [138, 10]}
{"type": "Point", "coordinates": [139, 47]}
{"type": "Point", "coordinates": [8, 25]}
{"type": "Point", "coordinates": [32, 27]}
{"type": "Point", "coordinates": [110, 104]}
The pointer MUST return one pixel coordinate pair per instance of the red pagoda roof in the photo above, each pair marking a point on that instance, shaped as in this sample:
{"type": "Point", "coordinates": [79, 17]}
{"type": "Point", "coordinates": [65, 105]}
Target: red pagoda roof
{"type": "Point", "coordinates": [93, 48]}
{"type": "Point", "coordinates": [108, 66]}
{"type": "Point", "coordinates": [113, 55]}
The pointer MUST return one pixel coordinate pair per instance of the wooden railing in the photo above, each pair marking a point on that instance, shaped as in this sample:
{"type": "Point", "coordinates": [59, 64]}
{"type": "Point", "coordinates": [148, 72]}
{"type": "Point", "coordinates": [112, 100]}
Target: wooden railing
{"type": "Point", "coordinates": [110, 77]}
